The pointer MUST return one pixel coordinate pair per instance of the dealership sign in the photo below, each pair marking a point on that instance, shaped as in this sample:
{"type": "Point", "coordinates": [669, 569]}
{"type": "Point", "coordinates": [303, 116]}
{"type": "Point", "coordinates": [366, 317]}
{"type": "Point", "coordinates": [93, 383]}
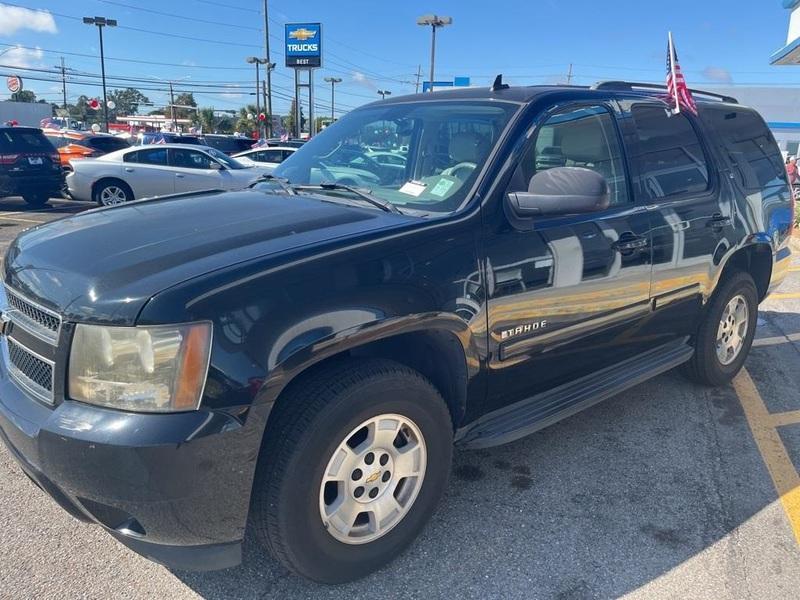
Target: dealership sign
{"type": "Point", "coordinates": [303, 45]}
{"type": "Point", "coordinates": [14, 83]}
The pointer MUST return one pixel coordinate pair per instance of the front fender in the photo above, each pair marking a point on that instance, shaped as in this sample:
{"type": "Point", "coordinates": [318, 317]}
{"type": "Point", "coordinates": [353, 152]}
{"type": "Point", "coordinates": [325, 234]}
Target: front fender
{"type": "Point", "coordinates": [297, 355]}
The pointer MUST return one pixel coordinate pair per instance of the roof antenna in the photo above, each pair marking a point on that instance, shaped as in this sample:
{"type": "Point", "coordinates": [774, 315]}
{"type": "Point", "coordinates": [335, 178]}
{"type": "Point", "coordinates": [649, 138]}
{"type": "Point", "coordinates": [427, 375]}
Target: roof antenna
{"type": "Point", "coordinates": [498, 84]}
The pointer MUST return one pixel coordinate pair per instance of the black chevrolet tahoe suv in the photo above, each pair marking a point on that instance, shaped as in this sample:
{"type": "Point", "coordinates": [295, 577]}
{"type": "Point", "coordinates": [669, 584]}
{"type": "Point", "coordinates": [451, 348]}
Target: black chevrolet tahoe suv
{"type": "Point", "coordinates": [29, 165]}
{"type": "Point", "coordinates": [303, 356]}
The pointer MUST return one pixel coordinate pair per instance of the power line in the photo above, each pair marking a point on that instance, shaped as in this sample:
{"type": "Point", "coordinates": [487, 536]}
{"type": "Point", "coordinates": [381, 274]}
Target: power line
{"type": "Point", "coordinates": [176, 16]}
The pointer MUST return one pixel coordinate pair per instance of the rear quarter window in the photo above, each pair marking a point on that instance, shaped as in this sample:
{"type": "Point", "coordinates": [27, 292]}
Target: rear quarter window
{"type": "Point", "coordinates": [24, 141]}
{"type": "Point", "coordinates": [747, 143]}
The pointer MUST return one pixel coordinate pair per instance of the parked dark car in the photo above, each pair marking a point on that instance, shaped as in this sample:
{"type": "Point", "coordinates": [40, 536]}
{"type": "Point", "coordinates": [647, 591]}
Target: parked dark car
{"type": "Point", "coordinates": [29, 165]}
{"type": "Point", "coordinates": [166, 137]}
{"type": "Point", "coordinates": [229, 144]}
{"type": "Point", "coordinates": [290, 143]}
{"type": "Point", "coordinates": [302, 356]}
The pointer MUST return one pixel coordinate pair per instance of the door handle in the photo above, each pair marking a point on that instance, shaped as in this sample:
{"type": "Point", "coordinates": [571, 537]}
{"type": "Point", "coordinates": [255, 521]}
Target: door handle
{"type": "Point", "coordinates": [128, 170]}
{"type": "Point", "coordinates": [718, 221]}
{"type": "Point", "coordinates": [629, 242]}
{"type": "Point", "coordinates": [179, 175]}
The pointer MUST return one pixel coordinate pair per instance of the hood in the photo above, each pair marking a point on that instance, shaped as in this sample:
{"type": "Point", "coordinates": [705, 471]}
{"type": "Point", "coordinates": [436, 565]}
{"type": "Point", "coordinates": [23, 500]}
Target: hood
{"type": "Point", "coordinates": [104, 265]}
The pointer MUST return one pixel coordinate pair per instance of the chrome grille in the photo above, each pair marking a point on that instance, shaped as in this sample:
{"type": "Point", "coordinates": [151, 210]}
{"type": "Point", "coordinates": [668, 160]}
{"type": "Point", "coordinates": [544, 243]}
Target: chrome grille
{"type": "Point", "coordinates": [33, 317]}
{"type": "Point", "coordinates": [31, 371]}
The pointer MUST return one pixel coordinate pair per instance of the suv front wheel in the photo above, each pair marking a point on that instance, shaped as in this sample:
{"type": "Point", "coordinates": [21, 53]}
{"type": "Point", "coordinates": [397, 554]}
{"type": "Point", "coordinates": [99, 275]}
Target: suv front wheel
{"type": "Point", "coordinates": [726, 333]}
{"type": "Point", "coordinates": [351, 469]}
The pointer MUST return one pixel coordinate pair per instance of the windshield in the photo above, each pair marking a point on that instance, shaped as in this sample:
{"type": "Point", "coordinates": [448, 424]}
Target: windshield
{"type": "Point", "coordinates": [423, 155]}
{"type": "Point", "coordinates": [230, 163]}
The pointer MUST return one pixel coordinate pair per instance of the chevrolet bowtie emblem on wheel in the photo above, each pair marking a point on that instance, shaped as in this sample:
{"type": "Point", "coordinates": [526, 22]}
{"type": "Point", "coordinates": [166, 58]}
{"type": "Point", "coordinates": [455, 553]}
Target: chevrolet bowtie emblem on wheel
{"type": "Point", "coordinates": [302, 34]}
{"type": "Point", "coordinates": [5, 324]}
{"type": "Point", "coordinates": [373, 477]}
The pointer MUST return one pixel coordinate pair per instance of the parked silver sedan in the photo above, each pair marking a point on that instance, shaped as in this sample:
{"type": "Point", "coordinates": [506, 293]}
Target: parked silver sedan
{"type": "Point", "coordinates": [157, 170]}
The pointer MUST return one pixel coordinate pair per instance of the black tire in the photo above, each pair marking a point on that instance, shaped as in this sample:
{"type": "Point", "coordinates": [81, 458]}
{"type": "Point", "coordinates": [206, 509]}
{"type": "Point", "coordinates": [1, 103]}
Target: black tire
{"type": "Point", "coordinates": [36, 199]}
{"type": "Point", "coordinates": [109, 184]}
{"type": "Point", "coordinates": [705, 366]}
{"type": "Point", "coordinates": [311, 420]}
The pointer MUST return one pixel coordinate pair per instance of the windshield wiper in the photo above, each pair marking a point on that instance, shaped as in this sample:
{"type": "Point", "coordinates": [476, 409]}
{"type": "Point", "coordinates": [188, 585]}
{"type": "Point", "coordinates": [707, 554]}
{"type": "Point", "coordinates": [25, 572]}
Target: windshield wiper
{"type": "Point", "coordinates": [281, 181]}
{"type": "Point", "coordinates": [364, 195]}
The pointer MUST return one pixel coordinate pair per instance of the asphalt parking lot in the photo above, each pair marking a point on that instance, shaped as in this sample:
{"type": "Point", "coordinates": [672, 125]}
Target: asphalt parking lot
{"type": "Point", "coordinates": [668, 491]}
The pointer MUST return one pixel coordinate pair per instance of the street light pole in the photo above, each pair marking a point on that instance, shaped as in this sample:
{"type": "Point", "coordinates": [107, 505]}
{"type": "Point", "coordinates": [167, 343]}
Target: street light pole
{"type": "Point", "coordinates": [101, 22]}
{"type": "Point", "coordinates": [254, 60]}
{"type": "Point", "coordinates": [333, 81]}
{"type": "Point", "coordinates": [434, 21]}
{"type": "Point", "coordinates": [384, 93]}
{"type": "Point", "coordinates": [270, 66]}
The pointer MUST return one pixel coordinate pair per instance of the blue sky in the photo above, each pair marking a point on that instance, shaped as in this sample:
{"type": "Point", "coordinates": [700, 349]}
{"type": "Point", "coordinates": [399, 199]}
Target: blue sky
{"type": "Point", "coordinates": [374, 44]}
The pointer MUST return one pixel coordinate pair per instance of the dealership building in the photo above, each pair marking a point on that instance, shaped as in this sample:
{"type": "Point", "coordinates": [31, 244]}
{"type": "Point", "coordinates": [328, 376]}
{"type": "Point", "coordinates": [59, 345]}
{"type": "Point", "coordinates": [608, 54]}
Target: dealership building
{"type": "Point", "coordinates": [780, 106]}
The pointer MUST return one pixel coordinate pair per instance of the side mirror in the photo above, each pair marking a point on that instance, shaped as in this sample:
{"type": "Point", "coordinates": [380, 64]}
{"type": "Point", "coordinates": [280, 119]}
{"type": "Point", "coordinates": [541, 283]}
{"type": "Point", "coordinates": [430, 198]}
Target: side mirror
{"type": "Point", "coordinates": [560, 191]}
{"type": "Point", "coordinates": [215, 166]}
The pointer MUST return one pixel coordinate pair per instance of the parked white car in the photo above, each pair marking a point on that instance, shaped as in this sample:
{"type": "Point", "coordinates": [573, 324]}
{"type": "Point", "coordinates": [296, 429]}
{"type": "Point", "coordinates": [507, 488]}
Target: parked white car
{"type": "Point", "coordinates": [157, 170]}
{"type": "Point", "coordinates": [269, 157]}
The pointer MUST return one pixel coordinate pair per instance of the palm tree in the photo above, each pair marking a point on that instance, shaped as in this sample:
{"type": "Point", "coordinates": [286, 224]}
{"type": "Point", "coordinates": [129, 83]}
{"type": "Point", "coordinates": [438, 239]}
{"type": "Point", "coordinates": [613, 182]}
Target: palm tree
{"type": "Point", "coordinates": [206, 119]}
{"type": "Point", "coordinates": [245, 124]}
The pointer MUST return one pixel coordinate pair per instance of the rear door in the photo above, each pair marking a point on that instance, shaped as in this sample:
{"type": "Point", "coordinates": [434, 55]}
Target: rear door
{"type": "Point", "coordinates": [147, 173]}
{"type": "Point", "coordinates": [566, 294]}
{"type": "Point", "coordinates": [676, 175]}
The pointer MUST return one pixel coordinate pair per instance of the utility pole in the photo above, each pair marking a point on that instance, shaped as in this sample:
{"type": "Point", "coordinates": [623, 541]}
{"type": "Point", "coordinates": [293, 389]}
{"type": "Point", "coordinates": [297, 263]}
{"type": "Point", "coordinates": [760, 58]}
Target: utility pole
{"type": "Point", "coordinates": [172, 108]}
{"type": "Point", "coordinates": [333, 81]}
{"type": "Point", "coordinates": [270, 66]}
{"type": "Point", "coordinates": [569, 74]}
{"type": "Point", "coordinates": [254, 60]}
{"type": "Point", "coordinates": [419, 76]}
{"type": "Point", "coordinates": [64, 83]}
{"type": "Point", "coordinates": [101, 22]}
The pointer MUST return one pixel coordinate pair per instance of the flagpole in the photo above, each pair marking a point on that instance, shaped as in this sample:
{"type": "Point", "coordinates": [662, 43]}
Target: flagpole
{"type": "Point", "coordinates": [677, 108]}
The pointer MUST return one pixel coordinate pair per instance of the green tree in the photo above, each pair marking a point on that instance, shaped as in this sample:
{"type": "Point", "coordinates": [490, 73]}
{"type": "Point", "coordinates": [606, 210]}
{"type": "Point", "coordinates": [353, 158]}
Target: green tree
{"type": "Point", "coordinates": [244, 123]}
{"type": "Point", "coordinates": [126, 102]}
{"type": "Point", "coordinates": [184, 99]}
{"type": "Point", "coordinates": [23, 96]}
{"type": "Point", "coordinates": [206, 119]}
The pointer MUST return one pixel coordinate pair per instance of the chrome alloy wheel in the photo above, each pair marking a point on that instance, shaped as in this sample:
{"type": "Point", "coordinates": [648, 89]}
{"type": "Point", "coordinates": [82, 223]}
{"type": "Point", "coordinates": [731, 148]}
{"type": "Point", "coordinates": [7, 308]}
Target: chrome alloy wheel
{"type": "Point", "coordinates": [372, 479]}
{"type": "Point", "coordinates": [732, 330]}
{"type": "Point", "coordinates": [111, 195]}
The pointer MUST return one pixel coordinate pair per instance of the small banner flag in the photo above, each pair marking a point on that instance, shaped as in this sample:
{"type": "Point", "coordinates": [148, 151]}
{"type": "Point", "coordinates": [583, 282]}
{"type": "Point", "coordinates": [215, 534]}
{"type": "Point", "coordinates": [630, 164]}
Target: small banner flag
{"type": "Point", "coordinates": [680, 98]}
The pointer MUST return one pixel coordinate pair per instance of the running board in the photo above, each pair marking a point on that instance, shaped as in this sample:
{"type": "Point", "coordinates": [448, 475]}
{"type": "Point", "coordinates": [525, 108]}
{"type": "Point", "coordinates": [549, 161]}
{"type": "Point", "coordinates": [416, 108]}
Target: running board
{"type": "Point", "coordinates": [537, 412]}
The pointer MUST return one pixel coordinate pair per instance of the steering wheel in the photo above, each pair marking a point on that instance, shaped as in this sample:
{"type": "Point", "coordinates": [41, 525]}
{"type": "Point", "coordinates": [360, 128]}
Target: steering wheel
{"type": "Point", "coordinates": [454, 171]}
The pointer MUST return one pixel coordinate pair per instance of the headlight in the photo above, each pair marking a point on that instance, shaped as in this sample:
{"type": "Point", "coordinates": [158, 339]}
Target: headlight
{"type": "Point", "coordinates": [145, 369]}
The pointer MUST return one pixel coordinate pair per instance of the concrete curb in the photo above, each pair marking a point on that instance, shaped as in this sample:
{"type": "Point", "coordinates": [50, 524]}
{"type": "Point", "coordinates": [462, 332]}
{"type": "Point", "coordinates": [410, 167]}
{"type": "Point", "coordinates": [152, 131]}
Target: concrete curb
{"type": "Point", "coordinates": [794, 244]}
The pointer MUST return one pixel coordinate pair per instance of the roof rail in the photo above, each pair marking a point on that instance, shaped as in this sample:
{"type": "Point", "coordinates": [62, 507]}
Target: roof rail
{"type": "Point", "coordinates": [631, 86]}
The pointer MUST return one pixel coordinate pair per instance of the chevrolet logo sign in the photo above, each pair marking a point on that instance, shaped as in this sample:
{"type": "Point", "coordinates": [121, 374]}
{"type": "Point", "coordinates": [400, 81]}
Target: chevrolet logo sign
{"type": "Point", "coordinates": [302, 34]}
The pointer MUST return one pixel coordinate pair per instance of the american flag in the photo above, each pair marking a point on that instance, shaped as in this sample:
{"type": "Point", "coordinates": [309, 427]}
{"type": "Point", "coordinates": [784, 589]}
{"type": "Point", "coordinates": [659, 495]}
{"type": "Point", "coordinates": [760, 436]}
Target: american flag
{"type": "Point", "coordinates": [679, 95]}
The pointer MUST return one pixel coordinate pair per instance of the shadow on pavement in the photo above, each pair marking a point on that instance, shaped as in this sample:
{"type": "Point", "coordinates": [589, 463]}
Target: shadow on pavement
{"type": "Point", "coordinates": [598, 505]}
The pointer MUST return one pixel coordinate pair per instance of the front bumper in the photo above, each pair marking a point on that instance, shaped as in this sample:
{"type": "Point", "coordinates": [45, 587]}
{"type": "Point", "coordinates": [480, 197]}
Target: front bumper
{"type": "Point", "coordinates": [174, 488]}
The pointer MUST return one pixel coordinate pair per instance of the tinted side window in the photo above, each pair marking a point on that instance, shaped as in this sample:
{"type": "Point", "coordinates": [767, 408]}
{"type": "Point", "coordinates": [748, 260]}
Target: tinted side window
{"type": "Point", "coordinates": [189, 159]}
{"type": "Point", "coordinates": [671, 159]}
{"type": "Point", "coordinates": [57, 140]}
{"type": "Point", "coordinates": [748, 144]}
{"type": "Point", "coordinates": [156, 156]}
{"type": "Point", "coordinates": [578, 137]}
{"type": "Point", "coordinates": [272, 156]}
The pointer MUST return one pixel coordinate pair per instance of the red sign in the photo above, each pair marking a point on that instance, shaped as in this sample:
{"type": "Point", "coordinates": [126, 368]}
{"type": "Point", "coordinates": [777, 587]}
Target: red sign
{"type": "Point", "coordinates": [93, 103]}
{"type": "Point", "coordinates": [14, 83]}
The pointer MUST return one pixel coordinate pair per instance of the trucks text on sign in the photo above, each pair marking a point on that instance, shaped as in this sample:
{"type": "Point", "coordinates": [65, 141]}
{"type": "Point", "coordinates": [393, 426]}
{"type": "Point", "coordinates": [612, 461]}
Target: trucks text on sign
{"type": "Point", "coordinates": [303, 45]}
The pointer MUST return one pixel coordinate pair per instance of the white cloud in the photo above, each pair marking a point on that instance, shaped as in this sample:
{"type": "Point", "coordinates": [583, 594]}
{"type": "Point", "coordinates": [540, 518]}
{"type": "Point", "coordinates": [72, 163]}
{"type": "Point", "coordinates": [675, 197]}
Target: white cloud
{"type": "Point", "coordinates": [717, 74]}
{"type": "Point", "coordinates": [233, 95]}
{"type": "Point", "coordinates": [363, 80]}
{"type": "Point", "coordinates": [17, 56]}
{"type": "Point", "coordinates": [15, 18]}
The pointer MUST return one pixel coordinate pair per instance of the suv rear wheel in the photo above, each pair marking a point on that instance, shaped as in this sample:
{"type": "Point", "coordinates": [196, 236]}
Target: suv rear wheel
{"type": "Point", "coordinates": [726, 334]}
{"type": "Point", "coordinates": [352, 468]}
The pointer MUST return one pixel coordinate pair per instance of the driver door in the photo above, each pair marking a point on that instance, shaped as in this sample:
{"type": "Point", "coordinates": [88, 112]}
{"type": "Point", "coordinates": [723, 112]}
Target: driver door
{"type": "Point", "coordinates": [193, 172]}
{"type": "Point", "coordinates": [567, 294]}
